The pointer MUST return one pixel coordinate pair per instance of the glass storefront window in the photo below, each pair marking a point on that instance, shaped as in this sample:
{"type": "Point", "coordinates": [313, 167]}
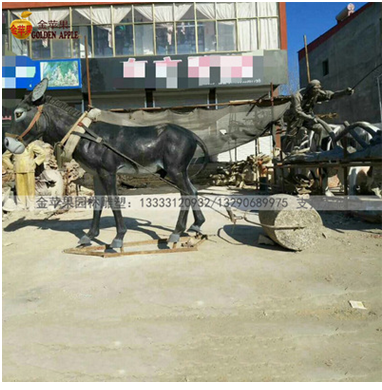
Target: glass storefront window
{"type": "Point", "coordinates": [227, 36]}
{"type": "Point", "coordinates": [205, 11]}
{"type": "Point", "coordinates": [143, 13]}
{"type": "Point", "coordinates": [103, 41]}
{"type": "Point", "coordinates": [61, 48]}
{"type": "Point", "coordinates": [79, 44]}
{"type": "Point", "coordinates": [81, 16]}
{"type": "Point", "coordinates": [164, 13]}
{"type": "Point", "coordinates": [41, 48]}
{"type": "Point", "coordinates": [184, 11]}
{"type": "Point", "coordinates": [144, 41]}
{"type": "Point", "coordinates": [268, 40]}
{"type": "Point", "coordinates": [246, 10]}
{"type": "Point", "coordinates": [185, 37]}
{"type": "Point", "coordinates": [20, 46]}
{"type": "Point", "coordinates": [101, 15]}
{"type": "Point", "coordinates": [267, 9]}
{"type": "Point", "coordinates": [124, 40]}
{"type": "Point", "coordinates": [247, 35]}
{"type": "Point", "coordinates": [206, 36]}
{"type": "Point", "coordinates": [165, 38]}
{"type": "Point", "coordinates": [122, 14]}
{"type": "Point", "coordinates": [5, 26]}
{"type": "Point", "coordinates": [225, 11]}
{"type": "Point", "coordinates": [124, 29]}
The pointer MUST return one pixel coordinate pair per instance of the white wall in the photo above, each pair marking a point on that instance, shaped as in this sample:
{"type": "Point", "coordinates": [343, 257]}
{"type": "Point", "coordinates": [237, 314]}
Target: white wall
{"type": "Point", "coordinates": [265, 147]}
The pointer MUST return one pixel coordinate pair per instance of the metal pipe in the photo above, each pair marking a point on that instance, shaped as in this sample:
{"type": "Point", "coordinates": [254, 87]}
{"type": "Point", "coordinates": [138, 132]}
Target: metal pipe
{"type": "Point", "coordinates": [87, 71]}
{"type": "Point", "coordinates": [307, 59]}
{"type": "Point", "coordinates": [379, 95]}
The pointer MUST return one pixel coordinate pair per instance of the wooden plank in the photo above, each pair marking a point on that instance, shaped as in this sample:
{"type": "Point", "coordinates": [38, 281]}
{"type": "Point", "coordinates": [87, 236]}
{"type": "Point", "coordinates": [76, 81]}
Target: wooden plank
{"type": "Point", "coordinates": [119, 254]}
{"type": "Point", "coordinates": [100, 250]}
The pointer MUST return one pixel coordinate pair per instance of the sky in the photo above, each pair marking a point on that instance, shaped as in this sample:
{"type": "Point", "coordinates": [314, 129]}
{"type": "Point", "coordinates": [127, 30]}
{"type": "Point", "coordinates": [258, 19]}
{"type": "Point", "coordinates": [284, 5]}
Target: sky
{"type": "Point", "coordinates": [311, 19]}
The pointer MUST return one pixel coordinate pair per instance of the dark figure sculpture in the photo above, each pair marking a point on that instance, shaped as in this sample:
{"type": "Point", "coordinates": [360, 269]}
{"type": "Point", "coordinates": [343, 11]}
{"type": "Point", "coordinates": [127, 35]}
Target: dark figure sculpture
{"type": "Point", "coordinates": [164, 148]}
{"type": "Point", "coordinates": [300, 117]}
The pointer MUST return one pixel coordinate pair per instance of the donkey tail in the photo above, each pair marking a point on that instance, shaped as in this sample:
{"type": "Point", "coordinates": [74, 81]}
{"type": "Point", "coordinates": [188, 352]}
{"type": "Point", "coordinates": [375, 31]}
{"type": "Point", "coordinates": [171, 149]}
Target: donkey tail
{"type": "Point", "coordinates": [203, 146]}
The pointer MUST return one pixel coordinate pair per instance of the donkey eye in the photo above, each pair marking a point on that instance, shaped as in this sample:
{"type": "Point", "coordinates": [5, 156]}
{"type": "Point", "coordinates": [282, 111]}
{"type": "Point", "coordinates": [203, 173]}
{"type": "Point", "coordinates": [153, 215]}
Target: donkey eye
{"type": "Point", "coordinates": [18, 114]}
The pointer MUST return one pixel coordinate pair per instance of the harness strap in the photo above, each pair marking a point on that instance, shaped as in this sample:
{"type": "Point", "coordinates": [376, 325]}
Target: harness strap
{"type": "Point", "coordinates": [29, 128]}
{"type": "Point", "coordinates": [34, 120]}
{"type": "Point", "coordinates": [67, 135]}
{"type": "Point", "coordinates": [91, 136]}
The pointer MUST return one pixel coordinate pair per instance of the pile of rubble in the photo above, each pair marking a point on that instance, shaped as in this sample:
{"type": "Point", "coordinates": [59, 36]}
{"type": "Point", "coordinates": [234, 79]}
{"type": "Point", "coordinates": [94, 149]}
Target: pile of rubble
{"type": "Point", "coordinates": [298, 184]}
{"type": "Point", "coordinates": [241, 173]}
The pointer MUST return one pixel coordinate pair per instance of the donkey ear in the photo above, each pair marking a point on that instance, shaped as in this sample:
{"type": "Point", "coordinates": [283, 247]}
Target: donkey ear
{"type": "Point", "coordinates": [39, 90]}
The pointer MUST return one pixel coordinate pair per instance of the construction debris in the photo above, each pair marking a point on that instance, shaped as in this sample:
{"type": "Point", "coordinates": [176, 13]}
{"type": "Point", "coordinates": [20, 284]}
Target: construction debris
{"type": "Point", "coordinates": [245, 172]}
{"type": "Point", "coordinates": [298, 184]}
{"type": "Point", "coordinates": [74, 172]}
{"type": "Point", "coordinates": [357, 305]}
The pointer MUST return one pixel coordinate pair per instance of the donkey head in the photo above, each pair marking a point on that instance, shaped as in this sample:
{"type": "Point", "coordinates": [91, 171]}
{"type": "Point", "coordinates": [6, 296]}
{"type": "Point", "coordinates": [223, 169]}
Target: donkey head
{"type": "Point", "coordinates": [26, 125]}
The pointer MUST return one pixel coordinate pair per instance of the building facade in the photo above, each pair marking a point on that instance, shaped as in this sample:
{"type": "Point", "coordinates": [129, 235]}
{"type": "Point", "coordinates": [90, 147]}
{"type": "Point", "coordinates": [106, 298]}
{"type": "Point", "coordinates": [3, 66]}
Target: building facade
{"type": "Point", "coordinates": [163, 54]}
{"type": "Point", "coordinates": [348, 54]}
{"type": "Point", "coordinates": [145, 54]}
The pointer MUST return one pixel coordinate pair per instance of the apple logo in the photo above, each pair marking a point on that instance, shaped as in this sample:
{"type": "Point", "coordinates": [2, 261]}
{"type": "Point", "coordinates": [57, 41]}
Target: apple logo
{"type": "Point", "coordinates": [22, 28]}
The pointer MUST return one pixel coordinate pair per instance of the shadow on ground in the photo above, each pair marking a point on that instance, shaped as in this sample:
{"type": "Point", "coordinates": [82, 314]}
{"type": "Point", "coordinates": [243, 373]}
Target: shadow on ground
{"type": "Point", "coordinates": [79, 227]}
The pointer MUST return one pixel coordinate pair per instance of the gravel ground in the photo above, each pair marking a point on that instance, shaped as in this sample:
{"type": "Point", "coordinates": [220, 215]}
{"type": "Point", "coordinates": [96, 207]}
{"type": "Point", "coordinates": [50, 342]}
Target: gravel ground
{"type": "Point", "coordinates": [233, 311]}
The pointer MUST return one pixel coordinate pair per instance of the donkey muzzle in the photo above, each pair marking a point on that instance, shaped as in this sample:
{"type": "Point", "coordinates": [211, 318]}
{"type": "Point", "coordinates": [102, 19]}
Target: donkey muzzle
{"type": "Point", "coordinates": [13, 145]}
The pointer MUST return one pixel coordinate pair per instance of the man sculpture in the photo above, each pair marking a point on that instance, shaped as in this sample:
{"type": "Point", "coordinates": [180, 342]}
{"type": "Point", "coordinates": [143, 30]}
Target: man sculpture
{"type": "Point", "coordinates": [300, 117]}
{"type": "Point", "coordinates": [24, 166]}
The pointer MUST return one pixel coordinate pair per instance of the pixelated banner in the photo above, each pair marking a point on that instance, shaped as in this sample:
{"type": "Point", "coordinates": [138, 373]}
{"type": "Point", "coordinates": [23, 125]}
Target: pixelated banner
{"type": "Point", "coordinates": [186, 72]}
{"type": "Point", "coordinates": [21, 72]}
{"type": "Point", "coordinates": [191, 72]}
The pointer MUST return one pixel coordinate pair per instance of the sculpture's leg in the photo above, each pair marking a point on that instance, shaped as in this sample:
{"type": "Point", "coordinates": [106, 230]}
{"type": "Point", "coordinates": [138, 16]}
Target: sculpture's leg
{"type": "Point", "coordinates": [180, 180]}
{"type": "Point", "coordinates": [109, 182]}
{"type": "Point", "coordinates": [99, 193]}
{"type": "Point", "coordinates": [198, 215]}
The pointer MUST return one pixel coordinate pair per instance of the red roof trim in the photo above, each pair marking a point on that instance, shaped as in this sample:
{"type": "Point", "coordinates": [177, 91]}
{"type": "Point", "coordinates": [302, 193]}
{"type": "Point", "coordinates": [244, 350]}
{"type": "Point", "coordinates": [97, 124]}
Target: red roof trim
{"type": "Point", "coordinates": [324, 37]}
{"type": "Point", "coordinates": [31, 5]}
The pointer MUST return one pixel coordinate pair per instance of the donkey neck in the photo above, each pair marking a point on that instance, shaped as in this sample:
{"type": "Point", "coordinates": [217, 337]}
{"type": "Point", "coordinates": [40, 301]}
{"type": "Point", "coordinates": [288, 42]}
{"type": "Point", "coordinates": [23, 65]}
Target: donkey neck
{"type": "Point", "coordinates": [59, 122]}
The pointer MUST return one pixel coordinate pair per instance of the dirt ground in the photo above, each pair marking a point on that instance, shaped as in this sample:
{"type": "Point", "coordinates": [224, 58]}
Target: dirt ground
{"type": "Point", "coordinates": [233, 311]}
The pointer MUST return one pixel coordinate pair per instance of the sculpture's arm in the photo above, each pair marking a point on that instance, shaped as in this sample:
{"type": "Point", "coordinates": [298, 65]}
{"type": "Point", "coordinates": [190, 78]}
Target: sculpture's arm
{"type": "Point", "coordinates": [329, 95]}
{"type": "Point", "coordinates": [39, 153]}
{"type": "Point", "coordinates": [7, 159]}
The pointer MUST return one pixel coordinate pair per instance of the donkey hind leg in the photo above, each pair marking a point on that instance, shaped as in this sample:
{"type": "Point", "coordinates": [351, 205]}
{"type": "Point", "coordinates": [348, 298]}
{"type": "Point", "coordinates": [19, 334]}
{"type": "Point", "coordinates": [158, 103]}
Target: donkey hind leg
{"type": "Point", "coordinates": [180, 180]}
{"type": "Point", "coordinates": [189, 198]}
{"type": "Point", "coordinates": [198, 215]}
{"type": "Point", "coordinates": [109, 182]}
{"type": "Point", "coordinates": [99, 192]}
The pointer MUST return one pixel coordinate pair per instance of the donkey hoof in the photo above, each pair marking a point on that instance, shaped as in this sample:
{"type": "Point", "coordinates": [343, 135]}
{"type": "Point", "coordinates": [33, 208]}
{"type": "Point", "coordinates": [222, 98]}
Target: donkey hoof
{"type": "Point", "coordinates": [85, 240]}
{"type": "Point", "coordinates": [195, 229]}
{"type": "Point", "coordinates": [174, 238]}
{"type": "Point", "coordinates": [117, 243]}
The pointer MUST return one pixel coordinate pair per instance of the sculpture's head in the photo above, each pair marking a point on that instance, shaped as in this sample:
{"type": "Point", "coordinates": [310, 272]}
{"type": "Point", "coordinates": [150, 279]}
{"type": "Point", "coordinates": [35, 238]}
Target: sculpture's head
{"type": "Point", "coordinates": [313, 87]}
{"type": "Point", "coordinates": [27, 124]}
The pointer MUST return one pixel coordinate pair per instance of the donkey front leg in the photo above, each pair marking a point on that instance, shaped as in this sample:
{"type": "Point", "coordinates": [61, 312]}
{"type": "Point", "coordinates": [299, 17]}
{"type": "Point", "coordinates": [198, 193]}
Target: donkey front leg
{"type": "Point", "coordinates": [109, 182]}
{"type": "Point", "coordinates": [99, 193]}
